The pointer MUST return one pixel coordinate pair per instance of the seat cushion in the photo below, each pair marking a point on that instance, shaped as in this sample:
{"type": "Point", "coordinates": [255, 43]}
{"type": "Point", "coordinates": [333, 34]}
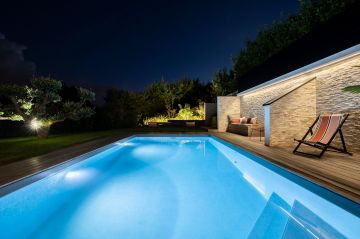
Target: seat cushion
{"type": "Point", "coordinates": [234, 121]}
{"type": "Point", "coordinates": [243, 120]}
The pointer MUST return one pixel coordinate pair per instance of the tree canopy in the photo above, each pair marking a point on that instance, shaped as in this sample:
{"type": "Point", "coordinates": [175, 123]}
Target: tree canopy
{"type": "Point", "coordinates": [275, 37]}
{"type": "Point", "coordinates": [223, 82]}
{"type": "Point", "coordinates": [41, 105]}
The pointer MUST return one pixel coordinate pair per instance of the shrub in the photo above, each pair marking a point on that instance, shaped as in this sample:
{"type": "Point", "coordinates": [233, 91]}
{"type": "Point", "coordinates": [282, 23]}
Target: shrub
{"type": "Point", "coordinates": [158, 118]}
{"type": "Point", "coordinates": [185, 113]}
{"type": "Point", "coordinates": [188, 113]}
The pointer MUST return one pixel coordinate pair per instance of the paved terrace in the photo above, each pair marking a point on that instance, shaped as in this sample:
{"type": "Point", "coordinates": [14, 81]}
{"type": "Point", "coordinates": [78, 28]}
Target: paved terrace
{"type": "Point", "coordinates": [337, 172]}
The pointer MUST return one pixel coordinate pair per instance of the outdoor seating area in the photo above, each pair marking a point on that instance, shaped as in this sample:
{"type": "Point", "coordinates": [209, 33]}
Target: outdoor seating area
{"type": "Point", "coordinates": [311, 100]}
{"type": "Point", "coordinates": [243, 125]}
{"type": "Point", "coordinates": [320, 134]}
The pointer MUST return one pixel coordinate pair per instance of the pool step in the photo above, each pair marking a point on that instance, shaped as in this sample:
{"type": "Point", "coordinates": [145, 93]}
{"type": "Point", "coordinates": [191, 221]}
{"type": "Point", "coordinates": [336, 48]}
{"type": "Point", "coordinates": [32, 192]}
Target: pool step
{"type": "Point", "coordinates": [273, 219]}
{"type": "Point", "coordinates": [305, 224]}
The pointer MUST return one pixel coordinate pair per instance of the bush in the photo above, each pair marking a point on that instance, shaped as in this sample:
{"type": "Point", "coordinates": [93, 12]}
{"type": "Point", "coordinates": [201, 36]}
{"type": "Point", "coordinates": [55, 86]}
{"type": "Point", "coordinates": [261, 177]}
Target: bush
{"type": "Point", "coordinates": [188, 113]}
{"type": "Point", "coordinates": [185, 113]}
{"type": "Point", "coordinates": [158, 118]}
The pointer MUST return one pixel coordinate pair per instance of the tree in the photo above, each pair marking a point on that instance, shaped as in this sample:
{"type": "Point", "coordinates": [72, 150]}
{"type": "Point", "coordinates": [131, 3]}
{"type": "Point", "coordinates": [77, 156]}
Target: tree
{"type": "Point", "coordinates": [274, 37]}
{"type": "Point", "coordinates": [174, 92]}
{"type": "Point", "coordinates": [195, 92]}
{"type": "Point", "coordinates": [121, 108]}
{"type": "Point", "coordinates": [166, 94]}
{"type": "Point", "coordinates": [152, 99]}
{"type": "Point", "coordinates": [223, 82]}
{"type": "Point", "coordinates": [40, 104]}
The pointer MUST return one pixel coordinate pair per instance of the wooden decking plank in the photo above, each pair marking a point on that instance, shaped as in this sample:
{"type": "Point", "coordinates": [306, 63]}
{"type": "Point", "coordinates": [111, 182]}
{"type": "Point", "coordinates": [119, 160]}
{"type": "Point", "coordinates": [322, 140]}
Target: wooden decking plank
{"type": "Point", "coordinates": [20, 169]}
{"type": "Point", "coordinates": [337, 172]}
{"type": "Point", "coordinates": [307, 164]}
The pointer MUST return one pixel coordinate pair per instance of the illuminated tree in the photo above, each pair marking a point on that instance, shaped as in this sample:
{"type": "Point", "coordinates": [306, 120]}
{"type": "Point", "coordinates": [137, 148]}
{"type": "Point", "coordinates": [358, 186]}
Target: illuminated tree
{"type": "Point", "coordinates": [40, 104]}
{"type": "Point", "coordinates": [167, 93]}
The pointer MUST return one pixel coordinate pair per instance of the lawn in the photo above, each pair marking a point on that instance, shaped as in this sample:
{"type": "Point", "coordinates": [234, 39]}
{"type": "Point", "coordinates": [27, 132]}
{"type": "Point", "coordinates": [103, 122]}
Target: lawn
{"type": "Point", "coordinates": [16, 149]}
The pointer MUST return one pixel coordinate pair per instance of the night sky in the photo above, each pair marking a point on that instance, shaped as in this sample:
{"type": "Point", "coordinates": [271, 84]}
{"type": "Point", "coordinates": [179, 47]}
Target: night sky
{"type": "Point", "coordinates": [128, 44]}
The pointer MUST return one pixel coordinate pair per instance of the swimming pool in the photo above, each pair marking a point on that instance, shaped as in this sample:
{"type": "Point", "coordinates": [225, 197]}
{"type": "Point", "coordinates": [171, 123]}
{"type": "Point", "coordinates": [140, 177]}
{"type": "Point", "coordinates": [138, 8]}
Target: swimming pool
{"type": "Point", "coordinates": [173, 187]}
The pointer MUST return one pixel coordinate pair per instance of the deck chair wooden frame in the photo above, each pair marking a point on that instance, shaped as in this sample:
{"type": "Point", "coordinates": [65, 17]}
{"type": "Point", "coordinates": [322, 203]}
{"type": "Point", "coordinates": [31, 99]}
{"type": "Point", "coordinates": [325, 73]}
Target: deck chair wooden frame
{"type": "Point", "coordinates": [323, 147]}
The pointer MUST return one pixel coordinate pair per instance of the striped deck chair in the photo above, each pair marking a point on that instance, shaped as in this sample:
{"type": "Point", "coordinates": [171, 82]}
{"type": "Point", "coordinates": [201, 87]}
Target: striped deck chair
{"type": "Point", "coordinates": [322, 132]}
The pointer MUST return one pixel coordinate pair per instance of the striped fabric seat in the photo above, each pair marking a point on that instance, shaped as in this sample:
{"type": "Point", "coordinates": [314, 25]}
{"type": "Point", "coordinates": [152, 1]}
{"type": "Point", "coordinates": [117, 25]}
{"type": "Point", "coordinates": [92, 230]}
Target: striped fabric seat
{"type": "Point", "coordinates": [326, 128]}
{"type": "Point", "coordinates": [322, 132]}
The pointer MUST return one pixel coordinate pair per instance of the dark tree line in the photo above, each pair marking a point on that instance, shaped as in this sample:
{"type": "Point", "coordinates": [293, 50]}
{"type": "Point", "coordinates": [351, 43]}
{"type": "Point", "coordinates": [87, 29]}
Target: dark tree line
{"type": "Point", "coordinates": [48, 104]}
{"type": "Point", "coordinates": [128, 109]}
{"type": "Point", "coordinates": [275, 37]}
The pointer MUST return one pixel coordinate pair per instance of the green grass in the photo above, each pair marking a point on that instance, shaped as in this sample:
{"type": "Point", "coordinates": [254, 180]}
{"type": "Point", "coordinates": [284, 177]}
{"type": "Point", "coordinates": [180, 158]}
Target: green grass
{"type": "Point", "coordinates": [15, 149]}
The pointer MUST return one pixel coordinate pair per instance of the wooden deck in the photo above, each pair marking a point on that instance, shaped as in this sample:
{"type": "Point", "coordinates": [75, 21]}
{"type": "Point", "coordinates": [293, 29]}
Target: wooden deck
{"type": "Point", "coordinates": [23, 168]}
{"type": "Point", "coordinates": [337, 172]}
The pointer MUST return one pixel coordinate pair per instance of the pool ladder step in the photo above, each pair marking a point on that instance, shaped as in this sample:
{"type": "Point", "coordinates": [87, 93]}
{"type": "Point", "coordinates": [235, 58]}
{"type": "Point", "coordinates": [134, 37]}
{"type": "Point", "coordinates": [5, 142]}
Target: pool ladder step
{"type": "Point", "coordinates": [273, 219]}
{"type": "Point", "coordinates": [280, 220]}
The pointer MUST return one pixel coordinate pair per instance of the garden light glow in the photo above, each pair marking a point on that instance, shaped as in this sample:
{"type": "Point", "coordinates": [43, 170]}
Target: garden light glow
{"type": "Point", "coordinates": [35, 124]}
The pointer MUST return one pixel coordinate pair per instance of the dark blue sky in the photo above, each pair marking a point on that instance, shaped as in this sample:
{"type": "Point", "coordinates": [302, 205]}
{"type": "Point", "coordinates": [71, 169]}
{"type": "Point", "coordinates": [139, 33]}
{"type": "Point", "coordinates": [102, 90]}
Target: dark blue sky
{"type": "Point", "coordinates": [128, 44]}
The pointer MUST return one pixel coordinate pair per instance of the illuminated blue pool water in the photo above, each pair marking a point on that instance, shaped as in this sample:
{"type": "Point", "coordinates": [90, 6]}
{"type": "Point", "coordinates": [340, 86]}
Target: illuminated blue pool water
{"type": "Point", "coordinates": [175, 187]}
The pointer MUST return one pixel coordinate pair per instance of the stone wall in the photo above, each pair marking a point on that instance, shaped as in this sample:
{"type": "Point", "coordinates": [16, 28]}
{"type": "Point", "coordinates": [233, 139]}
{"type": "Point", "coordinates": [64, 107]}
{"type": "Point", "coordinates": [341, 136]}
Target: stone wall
{"type": "Point", "coordinates": [351, 131]}
{"type": "Point", "coordinates": [252, 104]}
{"type": "Point", "coordinates": [226, 105]}
{"type": "Point", "coordinates": [210, 111]}
{"type": "Point", "coordinates": [331, 97]}
{"type": "Point", "coordinates": [291, 115]}
{"type": "Point", "coordinates": [329, 82]}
